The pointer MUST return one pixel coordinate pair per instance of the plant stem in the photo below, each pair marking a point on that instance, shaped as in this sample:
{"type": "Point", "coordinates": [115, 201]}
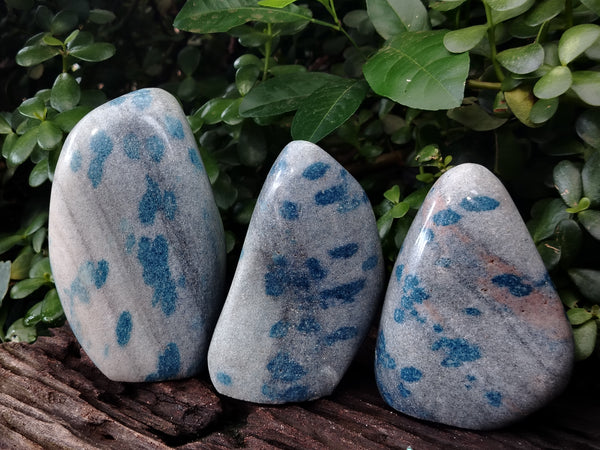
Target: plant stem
{"type": "Point", "coordinates": [268, 50]}
{"type": "Point", "coordinates": [492, 39]}
{"type": "Point", "coordinates": [487, 85]}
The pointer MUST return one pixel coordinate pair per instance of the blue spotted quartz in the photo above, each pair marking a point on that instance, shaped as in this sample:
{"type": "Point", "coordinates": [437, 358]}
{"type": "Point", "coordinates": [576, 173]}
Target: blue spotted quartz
{"type": "Point", "coordinates": [136, 241]}
{"type": "Point", "coordinates": [306, 287]}
{"type": "Point", "coordinates": [472, 332]}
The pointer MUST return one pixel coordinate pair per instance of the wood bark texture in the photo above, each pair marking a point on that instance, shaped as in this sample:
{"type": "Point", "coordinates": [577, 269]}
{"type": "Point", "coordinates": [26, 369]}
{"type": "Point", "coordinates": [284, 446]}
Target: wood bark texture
{"type": "Point", "coordinates": [52, 396]}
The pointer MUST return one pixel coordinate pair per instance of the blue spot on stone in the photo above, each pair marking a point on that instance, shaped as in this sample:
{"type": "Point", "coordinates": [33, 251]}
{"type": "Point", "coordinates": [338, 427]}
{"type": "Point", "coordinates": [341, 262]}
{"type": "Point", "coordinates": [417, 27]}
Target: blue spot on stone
{"type": "Point", "coordinates": [471, 378]}
{"type": "Point", "coordinates": [370, 263]}
{"type": "Point", "coordinates": [174, 127]}
{"type": "Point", "coordinates": [399, 315]}
{"type": "Point", "coordinates": [132, 145]}
{"type": "Point", "coordinates": [224, 378]}
{"type": "Point", "coordinates": [344, 252]}
{"type": "Point", "coordinates": [382, 357]}
{"type": "Point", "coordinates": [404, 392]}
{"type": "Point", "coordinates": [443, 262]}
{"type": "Point", "coordinates": [399, 270]}
{"type": "Point", "coordinates": [279, 330]}
{"type": "Point", "coordinates": [446, 217]}
{"type": "Point", "coordinates": [458, 351]}
{"type": "Point", "coordinates": [155, 147]}
{"type": "Point", "coordinates": [101, 146]}
{"type": "Point", "coordinates": [438, 328]}
{"type": "Point", "coordinates": [141, 99]}
{"type": "Point", "coordinates": [281, 276]}
{"type": "Point", "coordinates": [332, 195]}
{"type": "Point", "coordinates": [289, 210]}
{"type": "Point", "coordinates": [129, 243]}
{"type": "Point", "coordinates": [154, 201]}
{"type": "Point", "coordinates": [315, 270]}
{"type": "Point", "coordinates": [195, 159]}
{"type": "Point", "coordinates": [283, 368]}
{"type": "Point", "coordinates": [118, 101]}
{"type": "Point", "coordinates": [100, 273]}
{"type": "Point", "coordinates": [309, 325]}
{"type": "Point", "coordinates": [429, 235]}
{"type": "Point", "coordinates": [472, 312]}
{"type": "Point", "coordinates": [181, 282]}
{"type": "Point", "coordinates": [349, 204]}
{"type": "Point", "coordinates": [344, 292]}
{"type": "Point", "coordinates": [76, 161]}
{"type": "Point", "coordinates": [169, 364]}
{"type": "Point", "coordinates": [315, 171]}
{"type": "Point", "coordinates": [291, 394]}
{"type": "Point", "coordinates": [494, 398]}
{"type": "Point", "coordinates": [124, 327]}
{"type": "Point", "coordinates": [515, 284]}
{"type": "Point", "coordinates": [479, 203]}
{"type": "Point", "coordinates": [154, 258]}
{"type": "Point", "coordinates": [410, 374]}
{"type": "Point", "coordinates": [341, 334]}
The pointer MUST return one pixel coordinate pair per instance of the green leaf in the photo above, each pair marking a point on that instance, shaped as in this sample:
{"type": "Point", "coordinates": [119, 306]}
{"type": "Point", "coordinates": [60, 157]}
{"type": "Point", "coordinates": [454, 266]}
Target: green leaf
{"type": "Point", "coordinates": [393, 194]}
{"type": "Point", "coordinates": [544, 11]}
{"type": "Point", "coordinates": [49, 135]}
{"type": "Point", "coordinates": [39, 174]}
{"type": "Point", "coordinates": [282, 94]}
{"type": "Point", "coordinates": [504, 15]}
{"type": "Point", "coordinates": [384, 224]}
{"type": "Point", "coordinates": [276, 3]}
{"type": "Point", "coordinates": [590, 219]}
{"type": "Point", "coordinates": [567, 181]}
{"type": "Point", "coordinates": [217, 16]}
{"type": "Point", "coordinates": [415, 199]}
{"type": "Point", "coordinates": [71, 37]}
{"type": "Point", "coordinates": [464, 39]}
{"type": "Point", "coordinates": [41, 269]}
{"type": "Point", "coordinates": [22, 264]}
{"type": "Point", "coordinates": [48, 39]}
{"type": "Point", "coordinates": [101, 16]}
{"type": "Point", "coordinates": [33, 108]}
{"type": "Point", "coordinates": [586, 85]}
{"type": "Point", "coordinates": [522, 60]}
{"type": "Point", "coordinates": [23, 147]}
{"type": "Point", "coordinates": [245, 78]}
{"type": "Point", "coordinates": [252, 145]}
{"type": "Point", "coordinates": [38, 238]}
{"type": "Point", "coordinates": [231, 114]}
{"type": "Point", "coordinates": [8, 242]}
{"type": "Point", "coordinates": [550, 252]}
{"type": "Point", "coordinates": [327, 108]}
{"type": "Point", "coordinates": [4, 279]}
{"type": "Point", "coordinates": [585, 339]}
{"type": "Point", "coordinates": [19, 332]}
{"type": "Point", "coordinates": [590, 177]}
{"type": "Point", "coordinates": [65, 93]}
{"type": "Point", "coordinates": [35, 54]}
{"type": "Point", "coordinates": [399, 210]}
{"type": "Point", "coordinates": [445, 5]}
{"type": "Point", "coordinates": [554, 83]}
{"type": "Point", "coordinates": [416, 70]}
{"type": "Point", "coordinates": [569, 237]}
{"type": "Point", "coordinates": [588, 127]}
{"type": "Point", "coordinates": [504, 5]}
{"type": "Point", "coordinates": [68, 119]}
{"type": "Point", "coordinates": [521, 101]}
{"type": "Point", "coordinates": [392, 17]}
{"type": "Point", "coordinates": [584, 203]}
{"type": "Point", "coordinates": [247, 59]}
{"type": "Point", "coordinates": [592, 5]}
{"type": "Point", "coordinates": [577, 40]}
{"type": "Point", "coordinates": [98, 51]}
{"type": "Point", "coordinates": [52, 310]}
{"type": "Point", "coordinates": [546, 219]}
{"type": "Point", "coordinates": [63, 21]}
{"type": "Point", "coordinates": [26, 287]}
{"type": "Point", "coordinates": [225, 193]}
{"type": "Point", "coordinates": [5, 127]}
{"type": "Point", "coordinates": [189, 59]}
{"type": "Point", "coordinates": [543, 110]}
{"type": "Point", "coordinates": [211, 111]}
{"type": "Point", "coordinates": [210, 165]}
{"type": "Point", "coordinates": [588, 283]}
{"type": "Point", "coordinates": [473, 116]}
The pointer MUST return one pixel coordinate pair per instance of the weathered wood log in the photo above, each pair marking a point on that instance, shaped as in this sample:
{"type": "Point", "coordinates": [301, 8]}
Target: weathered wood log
{"type": "Point", "coordinates": [52, 396]}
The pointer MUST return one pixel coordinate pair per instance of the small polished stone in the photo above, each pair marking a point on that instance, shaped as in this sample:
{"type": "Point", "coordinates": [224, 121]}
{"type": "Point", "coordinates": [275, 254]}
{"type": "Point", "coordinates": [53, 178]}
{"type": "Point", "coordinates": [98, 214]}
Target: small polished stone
{"type": "Point", "coordinates": [306, 286]}
{"type": "Point", "coordinates": [136, 241]}
{"type": "Point", "coordinates": [472, 332]}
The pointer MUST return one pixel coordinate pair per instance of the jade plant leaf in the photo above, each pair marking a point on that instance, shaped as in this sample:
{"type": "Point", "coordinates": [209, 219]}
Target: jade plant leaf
{"type": "Point", "coordinates": [588, 127]}
{"type": "Point", "coordinates": [567, 180]}
{"type": "Point", "coordinates": [577, 40]}
{"type": "Point", "coordinates": [590, 219]}
{"type": "Point", "coordinates": [554, 83]}
{"type": "Point", "coordinates": [586, 84]}
{"type": "Point", "coordinates": [522, 60]}
{"type": "Point", "coordinates": [585, 339]}
{"type": "Point", "coordinates": [392, 17]}
{"type": "Point", "coordinates": [590, 177]}
{"type": "Point", "coordinates": [464, 39]}
{"type": "Point", "coordinates": [35, 54]}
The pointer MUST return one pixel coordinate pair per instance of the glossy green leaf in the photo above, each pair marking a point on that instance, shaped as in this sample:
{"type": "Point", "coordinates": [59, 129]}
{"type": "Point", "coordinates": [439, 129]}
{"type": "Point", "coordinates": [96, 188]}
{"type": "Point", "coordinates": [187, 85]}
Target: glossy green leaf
{"type": "Point", "coordinates": [35, 54]}
{"type": "Point", "coordinates": [5, 127]}
{"type": "Point", "coordinates": [547, 216]}
{"type": "Point", "coordinates": [590, 219]}
{"type": "Point", "coordinates": [586, 85]}
{"type": "Point", "coordinates": [252, 145]}
{"type": "Point", "coordinates": [521, 101]}
{"type": "Point", "coordinates": [23, 147]}
{"type": "Point", "coordinates": [585, 339]}
{"type": "Point", "coordinates": [569, 238]}
{"type": "Point", "coordinates": [225, 193]}
{"type": "Point", "coordinates": [584, 203]}
{"type": "Point", "coordinates": [68, 119]}
{"type": "Point", "coordinates": [38, 238]}
{"type": "Point", "coordinates": [39, 174]}
{"type": "Point", "coordinates": [464, 39]}
{"type": "Point", "coordinates": [22, 264]}
{"type": "Point", "coordinates": [33, 108]}
{"type": "Point", "coordinates": [65, 93]}
{"type": "Point", "coordinates": [588, 283]}
{"type": "Point", "coordinates": [48, 39]}
{"type": "Point", "coordinates": [567, 181]}
{"type": "Point", "coordinates": [63, 21]}
{"type": "Point", "coordinates": [590, 177]}
{"type": "Point", "coordinates": [231, 114]}
{"type": "Point", "coordinates": [384, 224]}
{"type": "Point", "coordinates": [588, 127]}
{"type": "Point", "coordinates": [499, 16]}
{"type": "Point", "coordinates": [550, 252]}
{"type": "Point", "coordinates": [327, 108]}
{"type": "Point", "coordinates": [592, 5]}
{"type": "Point", "coordinates": [504, 5]}
{"type": "Point", "coordinates": [522, 60]}
{"type": "Point", "coordinates": [52, 310]}
{"type": "Point", "coordinates": [577, 316]}
{"type": "Point", "coordinates": [544, 11]}
{"type": "Point", "coordinates": [4, 278]}
{"type": "Point", "coordinates": [189, 59]}
{"type": "Point", "coordinates": [26, 287]}
{"type": "Point", "coordinates": [399, 210]}
{"type": "Point", "coordinates": [282, 94]}
{"type": "Point", "coordinates": [245, 78]}
{"type": "Point", "coordinates": [38, 221]}
{"type": "Point", "coordinates": [247, 59]}
{"type": "Point", "coordinates": [8, 242]}
{"type": "Point", "coordinates": [41, 269]}
{"type": "Point", "coordinates": [211, 111]}
{"type": "Point", "coordinates": [393, 194]}
{"type": "Point", "coordinates": [392, 17]}
{"type": "Point", "coordinates": [416, 70]}
{"type": "Point", "coordinates": [98, 51]}
{"type": "Point", "coordinates": [71, 37]}
{"type": "Point", "coordinates": [554, 83]}
{"type": "Point", "coordinates": [19, 332]}
{"type": "Point", "coordinates": [577, 40]}
{"type": "Point", "coordinates": [543, 110]}
{"type": "Point", "coordinates": [210, 165]}
{"type": "Point", "coordinates": [49, 135]}
{"type": "Point", "coordinates": [214, 16]}
{"type": "Point", "coordinates": [276, 3]}
{"type": "Point", "coordinates": [101, 16]}
{"type": "Point", "coordinates": [445, 5]}
{"type": "Point", "coordinates": [473, 116]}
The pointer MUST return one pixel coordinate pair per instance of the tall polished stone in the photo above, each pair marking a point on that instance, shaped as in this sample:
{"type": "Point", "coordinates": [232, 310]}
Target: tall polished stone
{"type": "Point", "coordinates": [136, 241]}
{"type": "Point", "coordinates": [472, 332]}
{"type": "Point", "coordinates": [306, 286]}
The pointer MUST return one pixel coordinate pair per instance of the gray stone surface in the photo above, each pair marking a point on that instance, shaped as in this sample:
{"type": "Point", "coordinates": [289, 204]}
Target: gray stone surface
{"type": "Point", "coordinates": [306, 286]}
{"type": "Point", "coordinates": [136, 241]}
{"type": "Point", "coordinates": [472, 332]}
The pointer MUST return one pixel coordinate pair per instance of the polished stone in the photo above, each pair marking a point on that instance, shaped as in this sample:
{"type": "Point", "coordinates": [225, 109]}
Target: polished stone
{"type": "Point", "coordinates": [472, 332]}
{"type": "Point", "coordinates": [136, 241]}
{"type": "Point", "coordinates": [306, 287]}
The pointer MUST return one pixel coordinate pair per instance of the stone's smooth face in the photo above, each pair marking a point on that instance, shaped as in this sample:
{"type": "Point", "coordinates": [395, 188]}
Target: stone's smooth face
{"type": "Point", "coordinates": [306, 286]}
{"type": "Point", "coordinates": [472, 332]}
{"type": "Point", "coordinates": [136, 241]}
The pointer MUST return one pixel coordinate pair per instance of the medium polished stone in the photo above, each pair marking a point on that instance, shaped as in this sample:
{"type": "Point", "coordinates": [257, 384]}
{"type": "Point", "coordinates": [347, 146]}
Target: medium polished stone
{"type": "Point", "coordinates": [306, 287]}
{"type": "Point", "coordinates": [472, 332]}
{"type": "Point", "coordinates": [136, 241]}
